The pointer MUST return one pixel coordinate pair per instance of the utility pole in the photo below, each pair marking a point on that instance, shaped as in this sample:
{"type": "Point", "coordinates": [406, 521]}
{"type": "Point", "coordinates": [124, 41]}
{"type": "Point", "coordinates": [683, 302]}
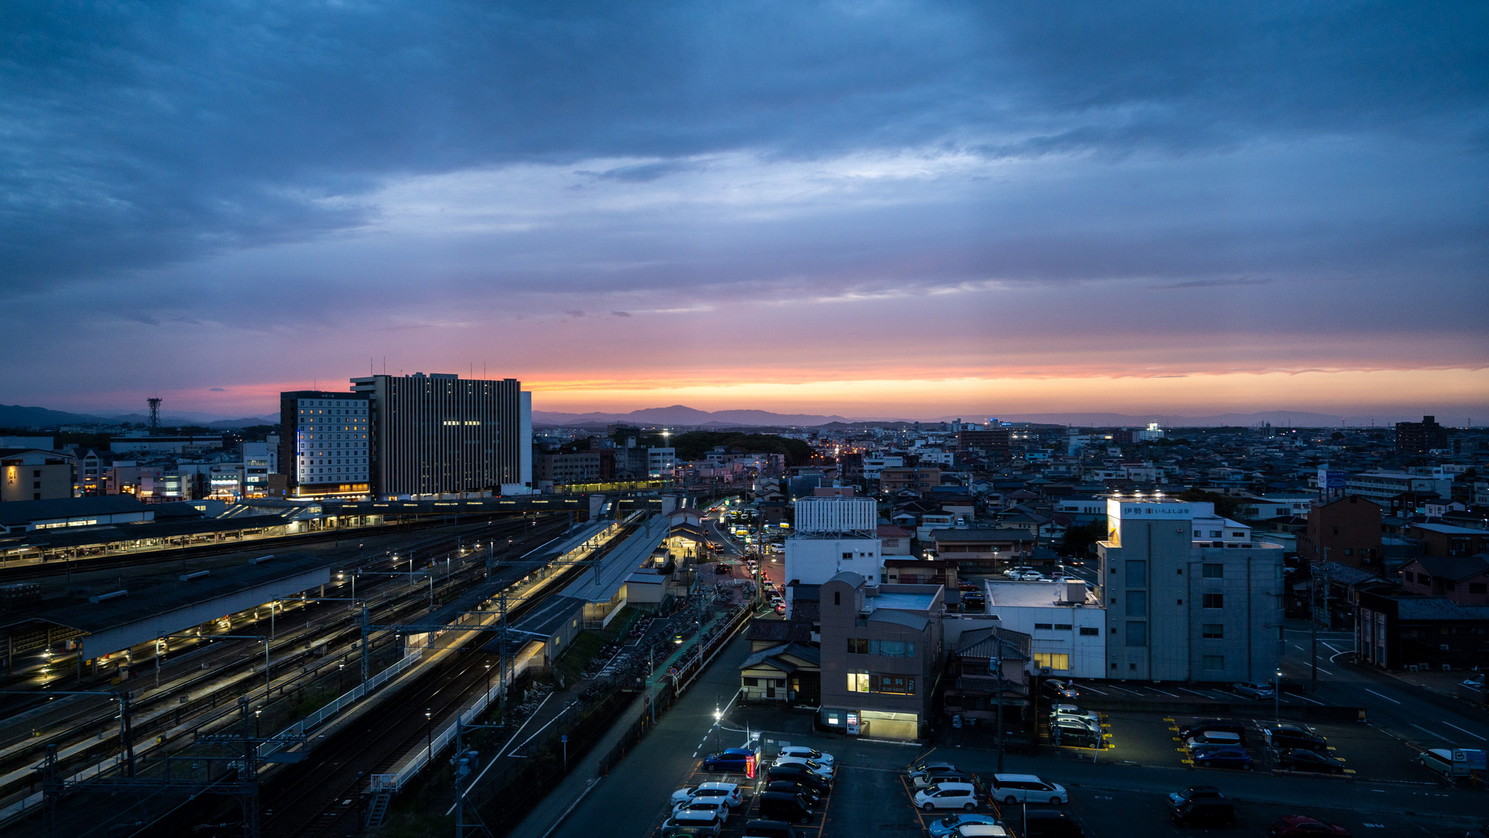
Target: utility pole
{"type": "Point", "coordinates": [996, 664]}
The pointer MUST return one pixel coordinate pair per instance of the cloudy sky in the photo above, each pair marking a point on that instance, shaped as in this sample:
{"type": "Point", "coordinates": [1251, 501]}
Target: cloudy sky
{"type": "Point", "coordinates": [867, 208]}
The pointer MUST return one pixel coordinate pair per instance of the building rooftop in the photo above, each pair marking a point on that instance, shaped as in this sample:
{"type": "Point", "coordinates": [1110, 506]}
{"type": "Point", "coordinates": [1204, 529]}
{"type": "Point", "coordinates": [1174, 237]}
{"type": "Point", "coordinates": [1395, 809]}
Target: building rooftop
{"type": "Point", "coordinates": [1030, 594]}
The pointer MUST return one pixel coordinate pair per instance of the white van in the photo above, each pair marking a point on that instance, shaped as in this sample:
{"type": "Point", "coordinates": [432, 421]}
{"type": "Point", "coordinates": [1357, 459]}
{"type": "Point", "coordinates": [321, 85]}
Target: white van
{"type": "Point", "coordinates": [1026, 788]}
{"type": "Point", "coordinates": [1441, 761]}
{"type": "Point", "coordinates": [1213, 737]}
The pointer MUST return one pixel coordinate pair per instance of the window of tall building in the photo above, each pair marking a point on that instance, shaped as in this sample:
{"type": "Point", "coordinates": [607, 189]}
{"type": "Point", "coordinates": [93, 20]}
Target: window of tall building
{"type": "Point", "coordinates": [1213, 601]}
{"type": "Point", "coordinates": [1212, 570]}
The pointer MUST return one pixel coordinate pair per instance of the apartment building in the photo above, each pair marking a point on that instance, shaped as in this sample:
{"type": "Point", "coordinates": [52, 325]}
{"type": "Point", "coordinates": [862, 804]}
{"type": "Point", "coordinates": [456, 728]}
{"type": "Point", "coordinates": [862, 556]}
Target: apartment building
{"type": "Point", "coordinates": [881, 655]}
{"type": "Point", "coordinates": [1188, 595]}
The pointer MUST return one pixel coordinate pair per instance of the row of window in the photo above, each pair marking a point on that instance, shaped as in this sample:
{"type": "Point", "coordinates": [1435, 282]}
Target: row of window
{"type": "Point", "coordinates": [882, 648]}
{"type": "Point", "coordinates": [1139, 568]}
{"type": "Point", "coordinates": [1087, 631]}
{"type": "Point", "coordinates": [873, 682]}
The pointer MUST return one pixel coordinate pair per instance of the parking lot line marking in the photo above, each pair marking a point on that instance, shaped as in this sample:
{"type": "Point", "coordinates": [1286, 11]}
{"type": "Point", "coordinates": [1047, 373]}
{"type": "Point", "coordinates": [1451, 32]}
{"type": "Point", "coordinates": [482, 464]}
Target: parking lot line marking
{"type": "Point", "coordinates": [1386, 697]}
{"type": "Point", "coordinates": [1196, 692]}
{"type": "Point", "coordinates": [1092, 689]}
{"type": "Point", "coordinates": [1165, 692]}
{"type": "Point", "coordinates": [1469, 732]}
{"type": "Point", "coordinates": [1314, 700]}
{"type": "Point", "coordinates": [1124, 689]}
{"type": "Point", "coordinates": [1423, 729]}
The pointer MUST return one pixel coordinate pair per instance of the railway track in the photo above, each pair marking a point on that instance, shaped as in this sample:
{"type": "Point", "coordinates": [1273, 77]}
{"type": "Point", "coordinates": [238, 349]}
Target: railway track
{"type": "Point", "coordinates": [100, 719]}
{"type": "Point", "coordinates": [329, 806]}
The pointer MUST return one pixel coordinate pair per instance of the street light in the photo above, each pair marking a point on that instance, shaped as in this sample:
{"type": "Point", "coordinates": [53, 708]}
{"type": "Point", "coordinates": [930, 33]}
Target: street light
{"type": "Point", "coordinates": [1277, 696]}
{"type": "Point", "coordinates": [718, 716]}
{"type": "Point", "coordinates": [429, 735]}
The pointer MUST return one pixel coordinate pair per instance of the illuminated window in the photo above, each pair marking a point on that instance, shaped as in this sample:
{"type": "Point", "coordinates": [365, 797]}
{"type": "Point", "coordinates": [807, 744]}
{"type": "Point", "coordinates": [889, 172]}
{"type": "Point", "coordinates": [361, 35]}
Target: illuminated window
{"type": "Point", "coordinates": [858, 682]}
{"type": "Point", "coordinates": [1053, 660]}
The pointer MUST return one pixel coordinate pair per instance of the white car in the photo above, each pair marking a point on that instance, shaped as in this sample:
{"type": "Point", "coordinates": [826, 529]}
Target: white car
{"type": "Point", "coordinates": [1254, 690]}
{"type": "Point", "coordinates": [1093, 725]}
{"type": "Point", "coordinates": [809, 753]}
{"type": "Point", "coordinates": [825, 769]}
{"type": "Point", "coordinates": [1074, 711]}
{"type": "Point", "coordinates": [697, 827]}
{"type": "Point", "coordinates": [1018, 572]}
{"type": "Point", "coordinates": [704, 810]}
{"type": "Point", "coordinates": [947, 796]}
{"type": "Point", "coordinates": [727, 793]}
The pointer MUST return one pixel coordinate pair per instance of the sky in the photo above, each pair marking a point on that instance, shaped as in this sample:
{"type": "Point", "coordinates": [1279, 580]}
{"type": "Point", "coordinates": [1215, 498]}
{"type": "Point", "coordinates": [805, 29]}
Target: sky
{"type": "Point", "coordinates": [862, 208]}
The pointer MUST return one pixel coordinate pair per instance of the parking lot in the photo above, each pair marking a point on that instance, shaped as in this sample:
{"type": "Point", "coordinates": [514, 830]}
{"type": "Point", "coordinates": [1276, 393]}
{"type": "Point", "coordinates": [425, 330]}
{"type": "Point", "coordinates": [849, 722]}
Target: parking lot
{"type": "Point", "coordinates": [1116, 796]}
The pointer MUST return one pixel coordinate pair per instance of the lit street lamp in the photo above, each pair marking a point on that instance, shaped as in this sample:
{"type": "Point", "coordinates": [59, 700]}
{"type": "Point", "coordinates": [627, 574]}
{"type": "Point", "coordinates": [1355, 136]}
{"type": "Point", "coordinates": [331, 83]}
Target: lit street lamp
{"type": "Point", "coordinates": [429, 735]}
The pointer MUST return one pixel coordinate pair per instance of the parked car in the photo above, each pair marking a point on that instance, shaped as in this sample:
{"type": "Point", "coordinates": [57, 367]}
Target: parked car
{"type": "Point", "coordinates": [931, 778]}
{"type": "Point", "coordinates": [783, 806]}
{"type": "Point", "coordinates": [923, 767]}
{"type": "Point", "coordinates": [1301, 759]}
{"type": "Point", "coordinates": [730, 759]}
{"type": "Point", "coordinates": [1253, 690]}
{"type": "Point", "coordinates": [980, 830]}
{"type": "Point", "coordinates": [1086, 721]}
{"type": "Point", "coordinates": [716, 807]}
{"type": "Point", "coordinates": [1285, 736]}
{"type": "Point", "coordinates": [942, 827]}
{"type": "Point", "coordinates": [1222, 756]}
{"type": "Point", "coordinates": [1025, 788]}
{"type": "Point", "coordinates": [708, 818]}
{"type": "Point", "coordinates": [674, 829]}
{"type": "Point", "coordinates": [1290, 826]}
{"type": "Point", "coordinates": [947, 796]}
{"type": "Point", "coordinates": [728, 793]}
{"type": "Point", "coordinates": [1072, 732]}
{"type": "Point", "coordinates": [761, 828]}
{"type": "Point", "coordinates": [1199, 726]}
{"type": "Point", "coordinates": [1017, 572]}
{"type": "Point", "coordinates": [809, 753]}
{"type": "Point", "coordinates": [799, 773]}
{"type": "Point", "coordinates": [1074, 710]}
{"type": "Point", "coordinates": [1204, 811]}
{"type": "Point", "coordinates": [821, 768]}
{"type": "Point", "coordinates": [811, 794]}
{"type": "Point", "coordinates": [1212, 737]}
{"type": "Point", "coordinates": [1050, 823]}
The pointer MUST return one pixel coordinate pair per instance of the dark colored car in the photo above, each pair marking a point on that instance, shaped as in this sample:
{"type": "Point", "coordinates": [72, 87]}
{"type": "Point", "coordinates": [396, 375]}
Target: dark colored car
{"type": "Point", "coordinates": [784, 806]}
{"type": "Point", "coordinates": [770, 829]}
{"type": "Point", "coordinates": [799, 773]}
{"type": "Point", "coordinates": [1204, 811]}
{"type": "Point", "coordinates": [1224, 756]}
{"type": "Point", "coordinates": [1305, 826]}
{"type": "Point", "coordinates": [729, 759]}
{"type": "Point", "coordinates": [1195, 793]}
{"type": "Point", "coordinates": [1286, 738]}
{"type": "Point", "coordinates": [1050, 823]}
{"type": "Point", "coordinates": [813, 795]}
{"type": "Point", "coordinates": [1299, 759]}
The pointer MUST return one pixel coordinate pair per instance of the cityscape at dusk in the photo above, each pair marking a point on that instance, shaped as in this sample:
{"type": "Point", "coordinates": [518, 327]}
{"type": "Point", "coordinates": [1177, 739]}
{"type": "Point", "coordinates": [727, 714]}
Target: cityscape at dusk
{"type": "Point", "coordinates": [898, 210]}
{"type": "Point", "coordinates": [776, 419]}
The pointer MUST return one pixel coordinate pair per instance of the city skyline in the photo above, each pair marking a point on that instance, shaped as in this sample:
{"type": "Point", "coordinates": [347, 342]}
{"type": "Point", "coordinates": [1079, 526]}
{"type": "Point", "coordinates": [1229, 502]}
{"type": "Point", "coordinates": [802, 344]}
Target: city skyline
{"type": "Point", "coordinates": [903, 210]}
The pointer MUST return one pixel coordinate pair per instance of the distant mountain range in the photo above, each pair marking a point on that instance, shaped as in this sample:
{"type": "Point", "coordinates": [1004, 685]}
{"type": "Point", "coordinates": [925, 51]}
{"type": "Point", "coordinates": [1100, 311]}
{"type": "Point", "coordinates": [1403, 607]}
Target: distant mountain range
{"type": "Point", "coordinates": [681, 416]}
{"type": "Point", "coordinates": [40, 418]}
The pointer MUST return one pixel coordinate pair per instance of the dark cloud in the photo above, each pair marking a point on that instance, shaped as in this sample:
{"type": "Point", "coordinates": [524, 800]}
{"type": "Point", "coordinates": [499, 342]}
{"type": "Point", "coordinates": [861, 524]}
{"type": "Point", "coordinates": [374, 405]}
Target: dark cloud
{"type": "Point", "coordinates": [148, 134]}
